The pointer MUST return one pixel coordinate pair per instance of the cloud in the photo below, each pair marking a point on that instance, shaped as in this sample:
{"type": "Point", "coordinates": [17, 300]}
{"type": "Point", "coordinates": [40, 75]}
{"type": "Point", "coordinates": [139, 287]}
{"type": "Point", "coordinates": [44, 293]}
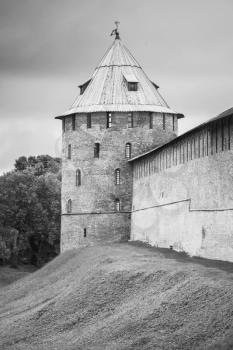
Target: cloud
{"type": "Point", "coordinates": [47, 48]}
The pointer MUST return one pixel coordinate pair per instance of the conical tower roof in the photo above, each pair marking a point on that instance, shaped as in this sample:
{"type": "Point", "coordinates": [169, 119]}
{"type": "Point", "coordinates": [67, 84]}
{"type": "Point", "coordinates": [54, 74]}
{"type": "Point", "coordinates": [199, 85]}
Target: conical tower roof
{"type": "Point", "coordinates": [107, 89]}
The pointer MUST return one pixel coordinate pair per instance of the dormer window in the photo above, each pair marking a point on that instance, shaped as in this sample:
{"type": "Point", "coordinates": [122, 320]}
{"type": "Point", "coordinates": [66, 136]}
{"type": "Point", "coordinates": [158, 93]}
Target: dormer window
{"type": "Point", "coordinates": [132, 82]}
{"type": "Point", "coordinates": [84, 86]}
{"type": "Point", "coordinates": [82, 89]}
{"type": "Point", "coordinates": [133, 86]}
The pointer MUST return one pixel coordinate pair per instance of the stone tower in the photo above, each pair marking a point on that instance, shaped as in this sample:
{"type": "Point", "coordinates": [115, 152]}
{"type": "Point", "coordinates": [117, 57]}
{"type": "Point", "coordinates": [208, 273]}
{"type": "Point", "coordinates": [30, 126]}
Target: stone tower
{"type": "Point", "coordinates": [118, 114]}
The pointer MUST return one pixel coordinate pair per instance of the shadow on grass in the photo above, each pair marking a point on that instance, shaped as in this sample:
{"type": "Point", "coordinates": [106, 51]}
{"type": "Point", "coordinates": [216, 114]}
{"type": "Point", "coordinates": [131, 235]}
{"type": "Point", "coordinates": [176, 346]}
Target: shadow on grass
{"type": "Point", "coordinates": [185, 258]}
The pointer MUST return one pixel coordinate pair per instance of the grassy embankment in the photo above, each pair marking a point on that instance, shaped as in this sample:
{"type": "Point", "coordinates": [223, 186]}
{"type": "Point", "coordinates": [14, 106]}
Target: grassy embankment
{"type": "Point", "coordinates": [117, 297]}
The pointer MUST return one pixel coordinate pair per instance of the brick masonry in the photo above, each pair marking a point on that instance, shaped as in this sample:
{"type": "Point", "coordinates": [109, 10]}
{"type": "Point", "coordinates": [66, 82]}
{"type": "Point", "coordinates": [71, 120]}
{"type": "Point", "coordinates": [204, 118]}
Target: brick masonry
{"type": "Point", "coordinates": [93, 203]}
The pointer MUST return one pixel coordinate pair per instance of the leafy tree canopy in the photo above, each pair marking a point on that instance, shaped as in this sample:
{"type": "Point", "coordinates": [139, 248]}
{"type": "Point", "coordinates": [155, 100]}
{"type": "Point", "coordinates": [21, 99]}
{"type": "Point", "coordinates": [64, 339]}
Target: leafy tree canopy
{"type": "Point", "coordinates": [30, 210]}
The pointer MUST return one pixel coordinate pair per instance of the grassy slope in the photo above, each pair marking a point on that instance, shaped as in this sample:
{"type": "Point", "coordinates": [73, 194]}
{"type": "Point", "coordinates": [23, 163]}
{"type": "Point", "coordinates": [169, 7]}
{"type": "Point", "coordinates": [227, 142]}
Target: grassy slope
{"type": "Point", "coordinates": [9, 274]}
{"type": "Point", "coordinates": [119, 296]}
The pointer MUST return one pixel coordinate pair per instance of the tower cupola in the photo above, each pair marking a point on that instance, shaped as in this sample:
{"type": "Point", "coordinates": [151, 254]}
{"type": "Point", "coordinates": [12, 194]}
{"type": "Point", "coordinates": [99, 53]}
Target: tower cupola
{"type": "Point", "coordinates": [119, 84]}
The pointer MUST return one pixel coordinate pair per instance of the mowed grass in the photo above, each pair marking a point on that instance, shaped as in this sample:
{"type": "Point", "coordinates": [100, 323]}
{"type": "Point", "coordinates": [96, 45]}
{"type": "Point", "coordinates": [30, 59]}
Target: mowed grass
{"type": "Point", "coordinates": [120, 296]}
{"type": "Point", "coordinates": [9, 274]}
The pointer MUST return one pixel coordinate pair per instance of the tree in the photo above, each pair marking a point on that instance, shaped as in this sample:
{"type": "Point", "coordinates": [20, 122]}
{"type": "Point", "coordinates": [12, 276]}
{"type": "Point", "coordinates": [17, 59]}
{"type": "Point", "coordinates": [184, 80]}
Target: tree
{"type": "Point", "coordinates": [30, 206]}
{"type": "Point", "coordinates": [21, 163]}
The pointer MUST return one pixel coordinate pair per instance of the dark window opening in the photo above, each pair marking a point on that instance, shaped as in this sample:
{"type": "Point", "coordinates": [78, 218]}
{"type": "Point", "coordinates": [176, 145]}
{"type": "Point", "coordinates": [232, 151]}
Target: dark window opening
{"type": "Point", "coordinates": [229, 133]}
{"type": "Point", "coordinates": [109, 120]}
{"type": "Point", "coordinates": [69, 151]}
{"type": "Point", "coordinates": [88, 121]}
{"type": "Point", "coordinates": [85, 232]}
{"type": "Point", "coordinates": [130, 120]}
{"type": "Point", "coordinates": [82, 89]}
{"type": "Point", "coordinates": [84, 86]}
{"type": "Point", "coordinates": [117, 176]}
{"type": "Point", "coordinates": [164, 121]}
{"type": "Point", "coordinates": [63, 125]}
{"type": "Point", "coordinates": [96, 150]}
{"type": "Point", "coordinates": [151, 120]}
{"type": "Point", "coordinates": [73, 122]}
{"type": "Point", "coordinates": [173, 122]}
{"type": "Point", "coordinates": [132, 86]}
{"type": "Point", "coordinates": [216, 137]}
{"type": "Point", "coordinates": [78, 177]}
{"type": "Point", "coordinates": [128, 150]}
{"type": "Point", "coordinates": [222, 134]}
{"type": "Point", "coordinates": [117, 204]}
{"type": "Point", "coordinates": [69, 206]}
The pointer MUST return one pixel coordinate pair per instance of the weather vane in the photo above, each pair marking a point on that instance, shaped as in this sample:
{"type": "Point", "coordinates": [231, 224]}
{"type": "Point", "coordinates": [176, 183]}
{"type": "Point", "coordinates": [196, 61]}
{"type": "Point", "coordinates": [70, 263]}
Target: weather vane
{"type": "Point", "coordinates": [115, 31]}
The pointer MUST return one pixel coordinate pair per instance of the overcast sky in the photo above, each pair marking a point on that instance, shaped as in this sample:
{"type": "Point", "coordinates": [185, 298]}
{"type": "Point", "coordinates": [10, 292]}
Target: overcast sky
{"type": "Point", "coordinates": [48, 47]}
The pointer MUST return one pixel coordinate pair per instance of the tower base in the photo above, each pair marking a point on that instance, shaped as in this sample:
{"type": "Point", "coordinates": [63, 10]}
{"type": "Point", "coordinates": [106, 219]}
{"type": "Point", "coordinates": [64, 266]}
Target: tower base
{"type": "Point", "coordinates": [80, 230]}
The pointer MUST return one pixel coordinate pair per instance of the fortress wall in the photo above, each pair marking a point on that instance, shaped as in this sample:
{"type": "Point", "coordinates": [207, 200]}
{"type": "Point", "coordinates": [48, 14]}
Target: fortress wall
{"type": "Point", "coordinates": [98, 189]}
{"type": "Point", "coordinates": [188, 206]}
{"type": "Point", "coordinates": [100, 228]}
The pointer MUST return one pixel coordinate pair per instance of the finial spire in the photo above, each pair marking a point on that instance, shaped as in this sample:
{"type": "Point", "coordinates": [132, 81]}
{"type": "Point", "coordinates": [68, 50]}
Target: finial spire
{"type": "Point", "coordinates": [115, 31]}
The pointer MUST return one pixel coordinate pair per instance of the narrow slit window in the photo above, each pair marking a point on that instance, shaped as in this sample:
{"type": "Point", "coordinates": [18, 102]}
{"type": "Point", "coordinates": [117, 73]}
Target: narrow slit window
{"type": "Point", "coordinates": [164, 121]}
{"type": "Point", "coordinates": [117, 204]}
{"type": "Point", "coordinates": [109, 120]}
{"type": "Point", "coordinates": [63, 125]}
{"type": "Point", "coordinates": [151, 120]}
{"type": "Point", "coordinates": [216, 137]}
{"type": "Point", "coordinates": [69, 206]}
{"type": "Point", "coordinates": [117, 176]}
{"type": "Point", "coordinates": [211, 140]}
{"type": "Point", "coordinates": [222, 135]}
{"type": "Point", "coordinates": [78, 177]}
{"type": "Point", "coordinates": [229, 133]}
{"type": "Point", "coordinates": [73, 122]}
{"type": "Point", "coordinates": [128, 150]}
{"type": "Point", "coordinates": [130, 120]}
{"type": "Point", "coordinates": [69, 151]}
{"type": "Point", "coordinates": [85, 232]}
{"type": "Point", "coordinates": [96, 150]}
{"type": "Point", "coordinates": [173, 122]}
{"type": "Point", "coordinates": [89, 121]}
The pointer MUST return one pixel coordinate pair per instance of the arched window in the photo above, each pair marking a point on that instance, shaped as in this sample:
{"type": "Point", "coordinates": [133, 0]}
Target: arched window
{"type": "Point", "coordinates": [96, 150]}
{"type": "Point", "coordinates": [117, 204]}
{"type": "Point", "coordinates": [69, 151]}
{"type": "Point", "coordinates": [69, 206]}
{"type": "Point", "coordinates": [78, 177]}
{"type": "Point", "coordinates": [117, 176]}
{"type": "Point", "coordinates": [128, 150]}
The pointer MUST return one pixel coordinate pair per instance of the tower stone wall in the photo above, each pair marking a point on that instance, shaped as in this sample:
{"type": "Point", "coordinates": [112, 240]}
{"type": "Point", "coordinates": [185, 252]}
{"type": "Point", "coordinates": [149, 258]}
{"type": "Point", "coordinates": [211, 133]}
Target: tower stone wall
{"type": "Point", "coordinates": [92, 216]}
